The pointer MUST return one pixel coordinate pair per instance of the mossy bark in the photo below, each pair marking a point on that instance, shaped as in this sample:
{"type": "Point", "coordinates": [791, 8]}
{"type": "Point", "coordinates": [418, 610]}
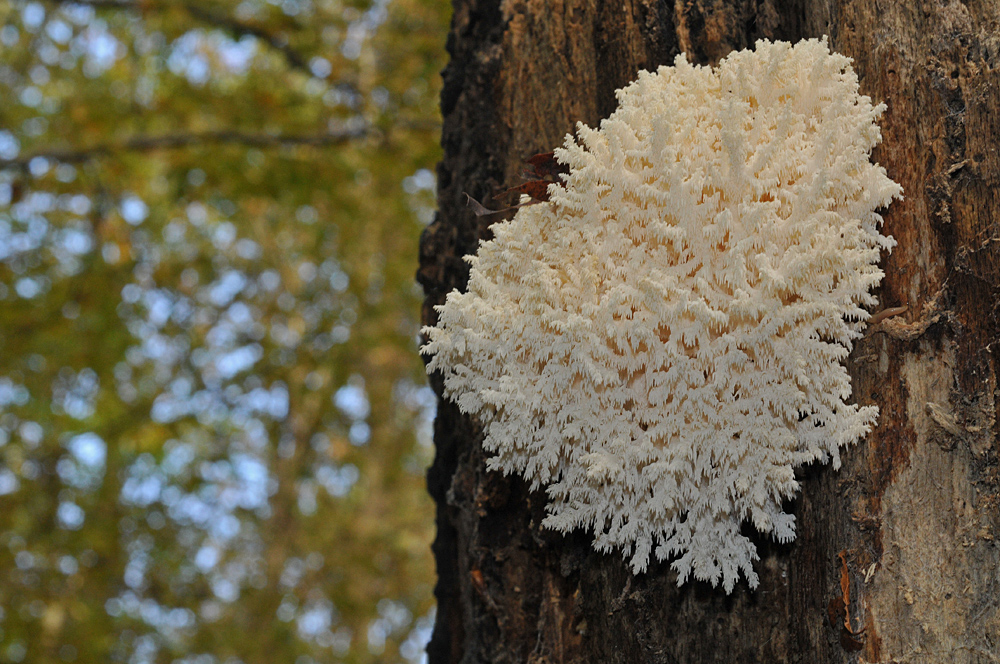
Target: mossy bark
{"type": "Point", "coordinates": [909, 523]}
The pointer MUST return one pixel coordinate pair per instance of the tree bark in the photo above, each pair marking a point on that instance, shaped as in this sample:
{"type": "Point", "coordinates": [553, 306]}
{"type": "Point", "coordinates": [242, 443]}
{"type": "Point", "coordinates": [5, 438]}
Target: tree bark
{"type": "Point", "coordinates": [909, 523]}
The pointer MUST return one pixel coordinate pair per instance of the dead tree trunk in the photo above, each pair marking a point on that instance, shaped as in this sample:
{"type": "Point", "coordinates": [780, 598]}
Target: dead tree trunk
{"type": "Point", "coordinates": [909, 524]}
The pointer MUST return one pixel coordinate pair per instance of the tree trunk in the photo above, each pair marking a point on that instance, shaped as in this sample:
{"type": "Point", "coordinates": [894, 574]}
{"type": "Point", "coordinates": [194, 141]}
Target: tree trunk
{"type": "Point", "coordinates": [910, 520]}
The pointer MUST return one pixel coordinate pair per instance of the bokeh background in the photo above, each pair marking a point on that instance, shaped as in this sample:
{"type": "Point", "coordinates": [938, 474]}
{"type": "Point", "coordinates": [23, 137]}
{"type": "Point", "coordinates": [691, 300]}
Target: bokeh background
{"type": "Point", "coordinates": [214, 426]}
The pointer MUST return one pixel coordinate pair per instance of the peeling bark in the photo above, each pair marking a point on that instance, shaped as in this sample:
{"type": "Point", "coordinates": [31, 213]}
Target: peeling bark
{"type": "Point", "coordinates": [913, 514]}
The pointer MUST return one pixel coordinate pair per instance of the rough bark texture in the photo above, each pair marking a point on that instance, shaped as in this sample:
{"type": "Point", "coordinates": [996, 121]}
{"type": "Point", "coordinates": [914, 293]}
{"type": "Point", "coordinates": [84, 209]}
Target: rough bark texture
{"type": "Point", "coordinates": [910, 521]}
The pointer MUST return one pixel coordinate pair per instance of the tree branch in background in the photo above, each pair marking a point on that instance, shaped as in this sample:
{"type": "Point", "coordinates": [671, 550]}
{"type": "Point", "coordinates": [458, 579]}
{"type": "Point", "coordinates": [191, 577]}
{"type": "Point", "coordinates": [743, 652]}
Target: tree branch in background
{"type": "Point", "coordinates": [238, 29]}
{"type": "Point", "coordinates": [176, 141]}
{"type": "Point", "coordinates": [221, 136]}
{"type": "Point", "coordinates": [231, 25]}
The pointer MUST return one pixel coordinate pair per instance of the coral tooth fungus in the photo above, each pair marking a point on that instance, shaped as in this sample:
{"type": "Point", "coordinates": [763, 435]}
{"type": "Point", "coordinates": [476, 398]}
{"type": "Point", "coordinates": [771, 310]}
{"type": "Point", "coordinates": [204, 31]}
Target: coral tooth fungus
{"type": "Point", "coordinates": [661, 344]}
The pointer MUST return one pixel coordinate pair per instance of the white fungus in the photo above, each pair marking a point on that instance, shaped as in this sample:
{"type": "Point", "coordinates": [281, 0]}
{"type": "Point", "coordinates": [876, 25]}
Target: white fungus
{"type": "Point", "coordinates": [662, 343]}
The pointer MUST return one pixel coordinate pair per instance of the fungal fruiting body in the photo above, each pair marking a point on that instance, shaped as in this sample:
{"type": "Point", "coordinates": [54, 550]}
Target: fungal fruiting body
{"type": "Point", "coordinates": [662, 343]}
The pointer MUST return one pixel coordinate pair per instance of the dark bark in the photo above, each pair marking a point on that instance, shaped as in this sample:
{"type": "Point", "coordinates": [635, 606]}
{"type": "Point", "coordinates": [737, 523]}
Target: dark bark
{"type": "Point", "coordinates": [912, 515]}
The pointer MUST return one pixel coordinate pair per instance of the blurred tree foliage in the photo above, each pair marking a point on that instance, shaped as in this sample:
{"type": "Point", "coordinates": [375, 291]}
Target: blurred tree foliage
{"type": "Point", "coordinates": [213, 423]}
